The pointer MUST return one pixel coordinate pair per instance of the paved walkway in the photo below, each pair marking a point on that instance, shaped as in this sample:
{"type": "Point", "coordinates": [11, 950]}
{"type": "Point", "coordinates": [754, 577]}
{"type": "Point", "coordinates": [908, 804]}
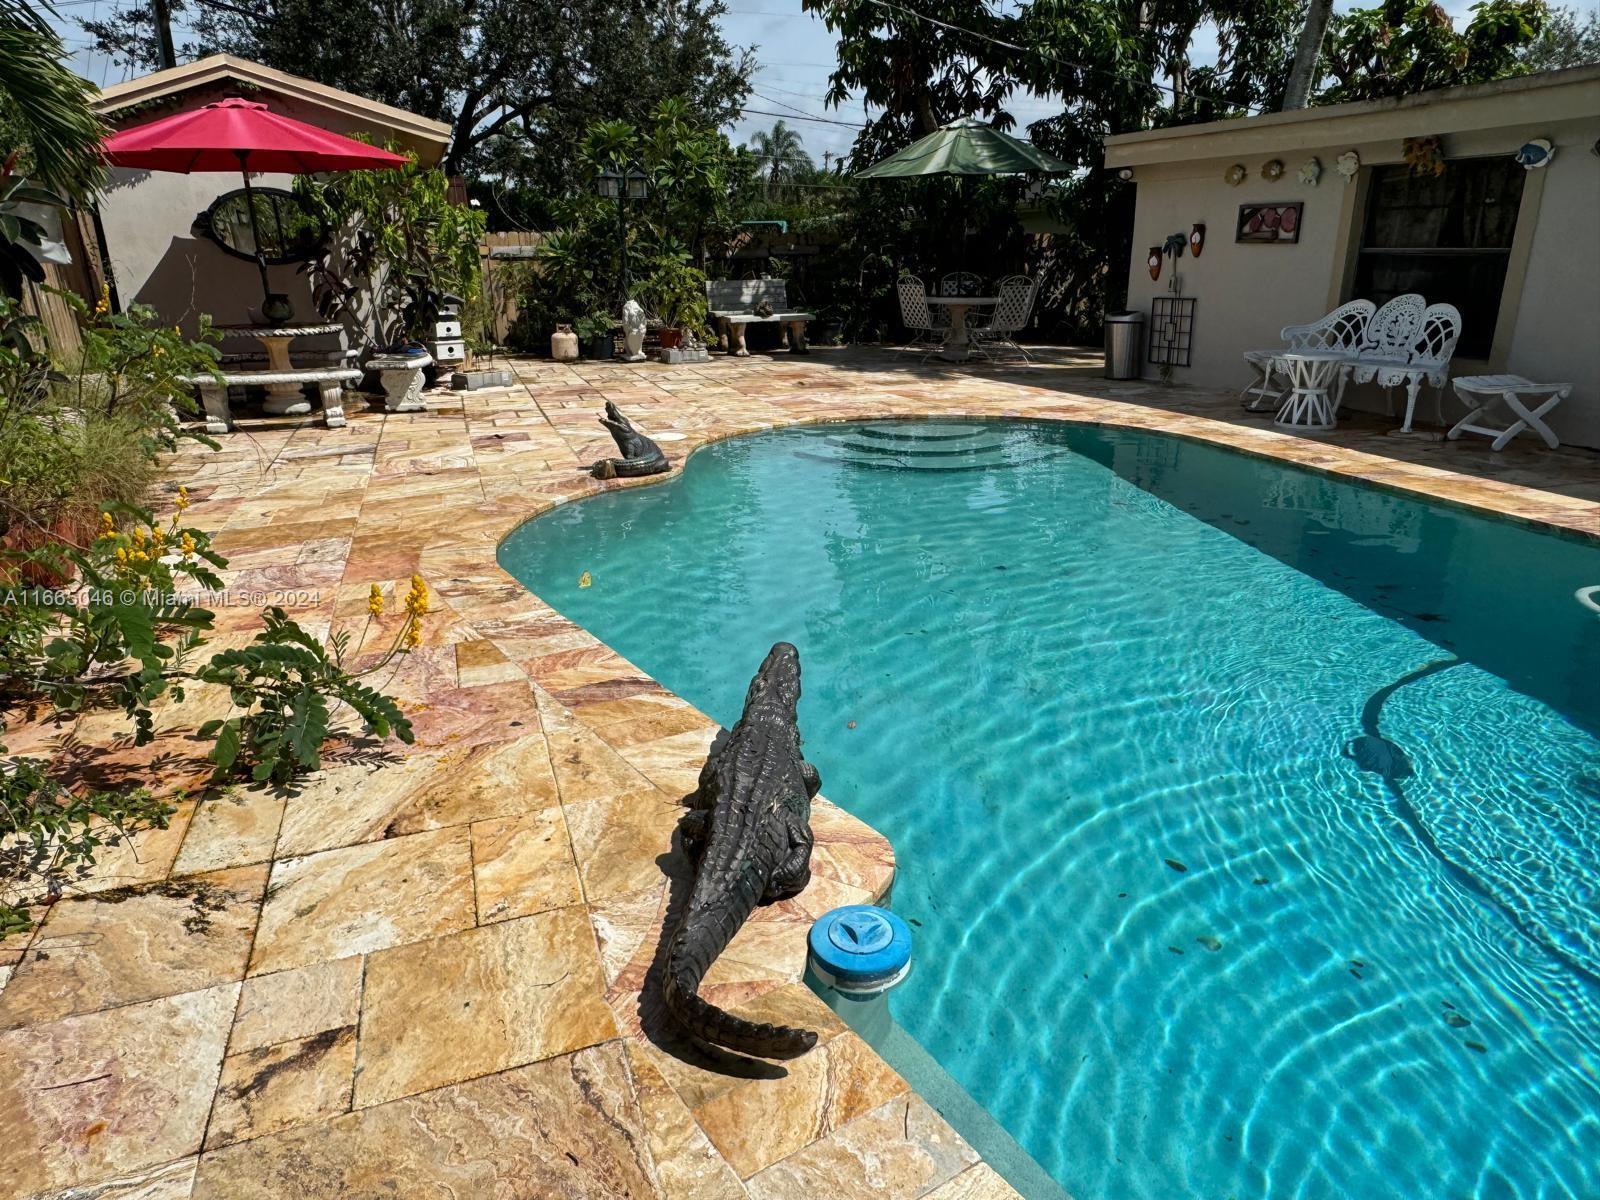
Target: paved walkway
{"type": "Point", "coordinates": [421, 974]}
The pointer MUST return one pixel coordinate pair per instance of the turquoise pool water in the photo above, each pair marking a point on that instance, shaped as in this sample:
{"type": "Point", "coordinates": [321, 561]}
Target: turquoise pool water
{"type": "Point", "coordinates": [1249, 821]}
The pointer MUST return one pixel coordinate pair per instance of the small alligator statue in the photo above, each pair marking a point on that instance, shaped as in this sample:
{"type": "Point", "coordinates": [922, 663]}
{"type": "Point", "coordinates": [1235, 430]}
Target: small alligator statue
{"type": "Point", "coordinates": [749, 831]}
{"type": "Point", "coordinates": [640, 456]}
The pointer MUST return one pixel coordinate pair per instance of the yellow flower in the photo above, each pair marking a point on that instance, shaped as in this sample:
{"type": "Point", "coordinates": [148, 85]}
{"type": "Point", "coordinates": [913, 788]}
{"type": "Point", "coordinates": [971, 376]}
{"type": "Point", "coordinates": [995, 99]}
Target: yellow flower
{"type": "Point", "coordinates": [139, 556]}
{"type": "Point", "coordinates": [103, 305]}
{"type": "Point", "coordinates": [157, 351]}
{"type": "Point", "coordinates": [138, 536]}
{"type": "Point", "coordinates": [183, 498]}
{"type": "Point", "coordinates": [122, 555]}
{"type": "Point", "coordinates": [375, 601]}
{"type": "Point", "coordinates": [188, 546]}
{"type": "Point", "coordinates": [108, 527]}
{"type": "Point", "coordinates": [413, 637]}
{"type": "Point", "coordinates": [417, 597]}
{"type": "Point", "coordinates": [157, 538]}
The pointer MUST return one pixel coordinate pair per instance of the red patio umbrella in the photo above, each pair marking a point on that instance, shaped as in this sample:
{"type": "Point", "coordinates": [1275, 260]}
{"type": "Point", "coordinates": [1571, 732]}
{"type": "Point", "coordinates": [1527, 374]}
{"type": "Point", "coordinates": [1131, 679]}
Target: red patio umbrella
{"type": "Point", "coordinates": [244, 136]}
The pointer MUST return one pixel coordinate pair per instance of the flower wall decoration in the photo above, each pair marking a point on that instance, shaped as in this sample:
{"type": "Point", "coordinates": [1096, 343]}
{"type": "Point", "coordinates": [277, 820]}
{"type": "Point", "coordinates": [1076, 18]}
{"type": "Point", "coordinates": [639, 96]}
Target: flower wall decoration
{"type": "Point", "coordinates": [1197, 239]}
{"type": "Point", "coordinates": [1272, 169]}
{"type": "Point", "coordinates": [1424, 155]}
{"type": "Point", "coordinates": [1268, 224]}
{"type": "Point", "coordinates": [1348, 165]}
{"type": "Point", "coordinates": [1235, 175]}
{"type": "Point", "coordinates": [1153, 262]}
{"type": "Point", "coordinates": [1311, 171]}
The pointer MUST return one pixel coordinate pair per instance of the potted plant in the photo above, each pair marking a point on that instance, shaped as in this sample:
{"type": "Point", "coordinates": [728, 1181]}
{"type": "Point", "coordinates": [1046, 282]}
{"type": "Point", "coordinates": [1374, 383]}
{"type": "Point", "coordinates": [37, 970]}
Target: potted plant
{"type": "Point", "coordinates": [594, 335]}
{"type": "Point", "coordinates": [676, 292]}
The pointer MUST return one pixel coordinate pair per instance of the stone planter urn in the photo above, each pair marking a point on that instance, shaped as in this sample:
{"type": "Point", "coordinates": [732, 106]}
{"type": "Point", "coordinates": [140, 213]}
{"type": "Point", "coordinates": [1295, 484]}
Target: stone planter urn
{"type": "Point", "coordinates": [401, 378]}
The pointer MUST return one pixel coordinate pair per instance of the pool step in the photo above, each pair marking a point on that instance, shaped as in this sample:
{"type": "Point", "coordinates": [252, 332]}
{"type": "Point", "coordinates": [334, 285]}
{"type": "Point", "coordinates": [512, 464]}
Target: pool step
{"type": "Point", "coordinates": [915, 446]}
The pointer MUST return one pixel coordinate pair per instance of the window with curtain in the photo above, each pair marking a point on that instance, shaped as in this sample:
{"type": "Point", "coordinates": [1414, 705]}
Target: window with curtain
{"type": "Point", "coordinates": [1446, 236]}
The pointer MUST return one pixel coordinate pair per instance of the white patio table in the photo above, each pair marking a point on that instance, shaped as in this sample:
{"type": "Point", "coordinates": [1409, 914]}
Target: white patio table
{"type": "Point", "coordinates": [1309, 403]}
{"type": "Point", "coordinates": [282, 399]}
{"type": "Point", "coordinates": [957, 348]}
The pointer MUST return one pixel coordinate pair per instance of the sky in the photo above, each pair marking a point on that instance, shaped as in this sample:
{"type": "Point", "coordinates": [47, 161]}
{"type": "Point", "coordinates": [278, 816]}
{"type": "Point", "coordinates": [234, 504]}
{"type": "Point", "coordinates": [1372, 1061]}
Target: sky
{"type": "Point", "coordinates": [794, 53]}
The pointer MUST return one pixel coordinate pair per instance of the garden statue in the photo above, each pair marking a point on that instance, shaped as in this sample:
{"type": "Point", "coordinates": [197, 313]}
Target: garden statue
{"type": "Point", "coordinates": [748, 831]}
{"type": "Point", "coordinates": [633, 331]}
{"type": "Point", "coordinates": [640, 456]}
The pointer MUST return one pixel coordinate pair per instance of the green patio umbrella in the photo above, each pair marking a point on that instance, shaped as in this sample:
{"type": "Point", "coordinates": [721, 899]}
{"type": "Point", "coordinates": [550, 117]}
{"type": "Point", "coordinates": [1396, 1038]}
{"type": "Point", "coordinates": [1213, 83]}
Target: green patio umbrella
{"type": "Point", "coordinates": [963, 148]}
{"type": "Point", "coordinates": [966, 147]}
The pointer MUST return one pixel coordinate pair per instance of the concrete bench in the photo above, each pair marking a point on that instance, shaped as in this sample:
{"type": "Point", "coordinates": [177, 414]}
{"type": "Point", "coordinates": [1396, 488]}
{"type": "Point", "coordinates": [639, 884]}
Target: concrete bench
{"type": "Point", "coordinates": [330, 382]}
{"type": "Point", "coordinates": [732, 304]}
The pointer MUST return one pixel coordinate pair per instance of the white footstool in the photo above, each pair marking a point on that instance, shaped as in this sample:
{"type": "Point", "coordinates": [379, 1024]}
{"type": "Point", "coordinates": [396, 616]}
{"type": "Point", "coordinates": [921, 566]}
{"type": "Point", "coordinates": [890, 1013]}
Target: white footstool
{"type": "Point", "coordinates": [1480, 393]}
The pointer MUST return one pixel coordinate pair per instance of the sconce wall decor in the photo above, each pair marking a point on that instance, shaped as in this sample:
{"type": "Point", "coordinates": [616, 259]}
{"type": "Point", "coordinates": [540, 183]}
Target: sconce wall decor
{"type": "Point", "coordinates": [1272, 169]}
{"type": "Point", "coordinates": [1311, 171]}
{"type": "Point", "coordinates": [1126, 174]}
{"type": "Point", "coordinates": [1153, 261]}
{"type": "Point", "coordinates": [1348, 165]}
{"type": "Point", "coordinates": [1197, 239]}
{"type": "Point", "coordinates": [1235, 175]}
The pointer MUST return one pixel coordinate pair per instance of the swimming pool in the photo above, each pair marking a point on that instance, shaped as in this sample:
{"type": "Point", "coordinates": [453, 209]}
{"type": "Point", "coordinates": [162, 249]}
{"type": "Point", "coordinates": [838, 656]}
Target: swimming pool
{"type": "Point", "coordinates": [1249, 819]}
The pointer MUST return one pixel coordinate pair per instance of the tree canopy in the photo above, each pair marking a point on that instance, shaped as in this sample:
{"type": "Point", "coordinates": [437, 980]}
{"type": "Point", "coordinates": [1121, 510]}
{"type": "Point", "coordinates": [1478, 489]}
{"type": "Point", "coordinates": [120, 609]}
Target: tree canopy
{"type": "Point", "coordinates": [518, 80]}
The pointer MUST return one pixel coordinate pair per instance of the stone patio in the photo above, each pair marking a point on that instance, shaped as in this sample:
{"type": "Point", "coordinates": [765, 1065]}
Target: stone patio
{"type": "Point", "coordinates": [420, 973]}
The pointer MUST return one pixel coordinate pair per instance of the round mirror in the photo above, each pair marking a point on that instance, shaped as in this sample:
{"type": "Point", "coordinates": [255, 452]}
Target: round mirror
{"type": "Point", "coordinates": [288, 232]}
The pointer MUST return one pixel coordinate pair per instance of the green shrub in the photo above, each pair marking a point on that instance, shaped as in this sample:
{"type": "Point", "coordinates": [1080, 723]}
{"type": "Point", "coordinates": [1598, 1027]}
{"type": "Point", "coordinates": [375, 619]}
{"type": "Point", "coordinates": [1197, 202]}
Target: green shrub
{"type": "Point", "coordinates": [284, 682]}
{"type": "Point", "coordinates": [80, 433]}
{"type": "Point", "coordinates": [49, 834]}
{"type": "Point", "coordinates": [122, 633]}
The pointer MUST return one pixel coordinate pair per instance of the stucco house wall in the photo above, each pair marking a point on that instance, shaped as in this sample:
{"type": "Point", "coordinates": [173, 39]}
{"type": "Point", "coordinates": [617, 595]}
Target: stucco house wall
{"type": "Point", "coordinates": [146, 216]}
{"type": "Point", "coordinates": [1549, 320]}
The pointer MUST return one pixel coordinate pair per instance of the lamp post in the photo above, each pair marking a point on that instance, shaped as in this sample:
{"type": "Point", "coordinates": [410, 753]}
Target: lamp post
{"type": "Point", "coordinates": [625, 185]}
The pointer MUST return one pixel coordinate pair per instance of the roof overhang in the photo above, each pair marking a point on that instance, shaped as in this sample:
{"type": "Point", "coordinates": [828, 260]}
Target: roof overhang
{"type": "Point", "coordinates": [425, 136]}
{"type": "Point", "coordinates": [1526, 101]}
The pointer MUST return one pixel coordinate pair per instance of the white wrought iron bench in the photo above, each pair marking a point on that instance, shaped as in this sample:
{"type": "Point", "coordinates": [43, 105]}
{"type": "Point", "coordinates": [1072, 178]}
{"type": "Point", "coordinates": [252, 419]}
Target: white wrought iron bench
{"type": "Point", "coordinates": [330, 383]}
{"type": "Point", "coordinates": [1408, 344]}
{"type": "Point", "coordinates": [732, 304]}
{"type": "Point", "coordinates": [1342, 329]}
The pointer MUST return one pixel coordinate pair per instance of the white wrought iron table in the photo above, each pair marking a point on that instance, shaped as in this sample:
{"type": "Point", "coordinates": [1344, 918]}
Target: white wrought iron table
{"type": "Point", "coordinates": [957, 346]}
{"type": "Point", "coordinates": [1309, 402]}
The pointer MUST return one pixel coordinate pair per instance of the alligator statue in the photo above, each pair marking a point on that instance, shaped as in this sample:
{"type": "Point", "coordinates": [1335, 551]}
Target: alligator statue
{"type": "Point", "coordinates": [640, 456]}
{"type": "Point", "coordinates": [749, 833]}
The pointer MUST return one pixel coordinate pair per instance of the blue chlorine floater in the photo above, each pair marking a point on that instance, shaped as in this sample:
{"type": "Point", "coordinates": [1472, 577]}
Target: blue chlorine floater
{"type": "Point", "coordinates": [860, 950]}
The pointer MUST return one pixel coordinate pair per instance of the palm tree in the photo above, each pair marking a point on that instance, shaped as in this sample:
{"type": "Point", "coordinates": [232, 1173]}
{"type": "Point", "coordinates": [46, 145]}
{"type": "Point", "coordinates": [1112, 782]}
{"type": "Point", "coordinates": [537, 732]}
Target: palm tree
{"type": "Point", "coordinates": [784, 154]}
{"type": "Point", "coordinates": [1303, 74]}
{"type": "Point", "coordinates": [44, 106]}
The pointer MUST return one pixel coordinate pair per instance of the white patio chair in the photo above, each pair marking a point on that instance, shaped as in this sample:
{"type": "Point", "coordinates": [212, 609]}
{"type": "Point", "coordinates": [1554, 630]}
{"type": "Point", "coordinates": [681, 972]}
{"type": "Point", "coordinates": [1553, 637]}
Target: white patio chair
{"type": "Point", "coordinates": [1010, 317]}
{"type": "Point", "coordinates": [1342, 329]}
{"type": "Point", "coordinates": [1391, 358]}
{"type": "Point", "coordinates": [915, 314]}
{"type": "Point", "coordinates": [961, 283]}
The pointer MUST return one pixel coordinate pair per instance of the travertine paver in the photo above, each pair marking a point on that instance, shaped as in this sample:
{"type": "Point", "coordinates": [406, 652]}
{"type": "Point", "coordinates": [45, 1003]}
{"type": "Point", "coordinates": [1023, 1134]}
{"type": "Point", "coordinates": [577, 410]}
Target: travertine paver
{"type": "Point", "coordinates": [176, 936]}
{"type": "Point", "coordinates": [102, 1094]}
{"type": "Point", "coordinates": [432, 970]}
{"type": "Point", "coordinates": [363, 898]}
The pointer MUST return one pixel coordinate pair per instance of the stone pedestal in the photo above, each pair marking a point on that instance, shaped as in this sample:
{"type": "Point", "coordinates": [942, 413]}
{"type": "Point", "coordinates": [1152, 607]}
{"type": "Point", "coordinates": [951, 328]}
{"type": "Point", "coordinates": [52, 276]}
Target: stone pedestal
{"type": "Point", "coordinates": [401, 379]}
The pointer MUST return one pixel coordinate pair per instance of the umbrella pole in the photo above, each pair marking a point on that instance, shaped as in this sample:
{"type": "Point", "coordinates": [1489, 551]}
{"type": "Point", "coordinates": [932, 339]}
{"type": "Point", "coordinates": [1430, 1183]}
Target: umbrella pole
{"type": "Point", "coordinates": [255, 233]}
